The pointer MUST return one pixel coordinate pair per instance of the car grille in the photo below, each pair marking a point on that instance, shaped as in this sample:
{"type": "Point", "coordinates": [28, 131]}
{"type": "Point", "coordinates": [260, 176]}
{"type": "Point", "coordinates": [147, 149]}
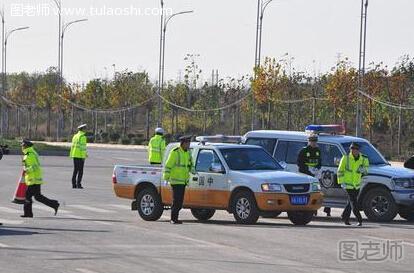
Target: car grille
{"type": "Point", "coordinates": [297, 188]}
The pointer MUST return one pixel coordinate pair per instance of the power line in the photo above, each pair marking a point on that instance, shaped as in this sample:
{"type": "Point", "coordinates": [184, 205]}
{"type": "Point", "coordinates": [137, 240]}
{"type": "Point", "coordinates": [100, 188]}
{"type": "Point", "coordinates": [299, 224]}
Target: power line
{"type": "Point", "coordinates": [100, 110]}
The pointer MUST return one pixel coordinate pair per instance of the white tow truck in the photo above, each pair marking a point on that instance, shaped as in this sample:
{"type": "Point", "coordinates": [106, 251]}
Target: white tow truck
{"type": "Point", "coordinates": [242, 179]}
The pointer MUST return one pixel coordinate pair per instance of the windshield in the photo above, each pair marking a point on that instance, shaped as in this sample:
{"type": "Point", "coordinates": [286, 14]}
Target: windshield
{"type": "Point", "coordinates": [244, 159]}
{"type": "Point", "coordinates": [374, 157]}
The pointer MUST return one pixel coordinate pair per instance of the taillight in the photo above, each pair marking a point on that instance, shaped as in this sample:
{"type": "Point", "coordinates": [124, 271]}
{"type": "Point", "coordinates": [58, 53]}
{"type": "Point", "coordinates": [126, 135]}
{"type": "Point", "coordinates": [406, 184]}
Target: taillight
{"type": "Point", "coordinates": [114, 179]}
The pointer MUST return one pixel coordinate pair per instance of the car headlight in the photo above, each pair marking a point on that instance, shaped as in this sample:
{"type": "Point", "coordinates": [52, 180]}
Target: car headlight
{"type": "Point", "coordinates": [316, 186]}
{"type": "Point", "coordinates": [271, 187]}
{"type": "Point", "coordinates": [404, 182]}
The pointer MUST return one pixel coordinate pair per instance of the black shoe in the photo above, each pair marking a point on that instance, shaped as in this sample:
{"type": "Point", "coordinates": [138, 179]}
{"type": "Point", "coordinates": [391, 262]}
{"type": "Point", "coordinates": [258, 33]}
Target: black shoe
{"type": "Point", "coordinates": [176, 222]}
{"type": "Point", "coordinates": [328, 214]}
{"type": "Point", "coordinates": [79, 187]}
{"type": "Point", "coordinates": [26, 216]}
{"type": "Point", "coordinates": [347, 223]}
{"type": "Point", "coordinates": [57, 208]}
{"type": "Point", "coordinates": [1, 224]}
{"type": "Point", "coordinates": [360, 224]}
{"type": "Point", "coordinates": [73, 186]}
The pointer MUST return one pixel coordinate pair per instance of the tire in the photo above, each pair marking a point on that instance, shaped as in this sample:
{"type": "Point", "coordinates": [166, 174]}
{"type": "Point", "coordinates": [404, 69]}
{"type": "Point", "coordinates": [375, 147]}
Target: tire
{"type": "Point", "coordinates": [245, 208]}
{"type": "Point", "coordinates": [300, 218]}
{"type": "Point", "coordinates": [203, 214]}
{"type": "Point", "coordinates": [379, 205]}
{"type": "Point", "coordinates": [407, 214]}
{"type": "Point", "coordinates": [271, 214]}
{"type": "Point", "coordinates": [149, 205]}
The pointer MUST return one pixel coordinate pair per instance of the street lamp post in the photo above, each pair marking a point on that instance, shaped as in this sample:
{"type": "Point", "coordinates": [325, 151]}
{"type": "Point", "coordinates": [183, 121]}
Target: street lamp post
{"type": "Point", "coordinates": [361, 71]}
{"type": "Point", "coordinates": [3, 77]}
{"type": "Point", "coordinates": [165, 24]}
{"type": "Point", "coordinates": [63, 31]}
{"type": "Point", "coordinates": [160, 66]}
{"type": "Point", "coordinates": [6, 39]}
{"type": "Point", "coordinates": [5, 50]}
{"type": "Point", "coordinates": [261, 7]}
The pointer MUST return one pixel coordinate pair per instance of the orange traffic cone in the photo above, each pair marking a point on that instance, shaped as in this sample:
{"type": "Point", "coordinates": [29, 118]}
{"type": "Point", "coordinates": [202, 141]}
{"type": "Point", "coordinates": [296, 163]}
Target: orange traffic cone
{"type": "Point", "coordinates": [20, 194]}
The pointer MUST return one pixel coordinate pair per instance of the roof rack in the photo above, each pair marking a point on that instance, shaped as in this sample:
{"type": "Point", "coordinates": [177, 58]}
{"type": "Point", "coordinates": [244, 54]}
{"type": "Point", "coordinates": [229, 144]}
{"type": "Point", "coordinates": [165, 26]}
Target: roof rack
{"type": "Point", "coordinates": [219, 139]}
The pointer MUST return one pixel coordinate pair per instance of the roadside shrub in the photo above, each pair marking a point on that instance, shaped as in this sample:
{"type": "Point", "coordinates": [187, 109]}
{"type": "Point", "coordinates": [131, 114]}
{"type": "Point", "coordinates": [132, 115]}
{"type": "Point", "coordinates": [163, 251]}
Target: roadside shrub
{"type": "Point", "coordinates": [125, 141]}
{"type": "Point", "coordinates": [114, 137]}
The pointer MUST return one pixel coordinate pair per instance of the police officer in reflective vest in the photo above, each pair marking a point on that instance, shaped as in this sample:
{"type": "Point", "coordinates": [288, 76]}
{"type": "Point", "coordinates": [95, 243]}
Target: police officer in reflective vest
{"type": "Point", "coordinates": [310, 157]}
{"type": "Point", "coordinates": [350, 171]}
{"type": "Point", "coordinates": [156, 147]}
{"type": "Point", "coordinates": [79, 153]}
{"type": "Point", "coordinates": [177, 172]}
{"type": "Point", "coordinates": [33, 179]}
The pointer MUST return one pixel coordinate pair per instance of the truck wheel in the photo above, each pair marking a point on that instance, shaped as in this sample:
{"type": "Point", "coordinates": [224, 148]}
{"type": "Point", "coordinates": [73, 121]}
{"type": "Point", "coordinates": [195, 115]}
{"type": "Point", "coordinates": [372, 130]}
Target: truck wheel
{"type": "Point", "coordinates": [149, 205]}
{"type": "Point", "coordinates": [244, 208]}
{"type": "Point", "coordinates": [379, 205]}
{"type": "Point", "coordinates": [203, 214]}
{"type": "Point", "coordinates": [407, 214]}
{"type": "Point", "coordinates": [300, 218]}
{"type": "Point", "coordinates": [271, 214]}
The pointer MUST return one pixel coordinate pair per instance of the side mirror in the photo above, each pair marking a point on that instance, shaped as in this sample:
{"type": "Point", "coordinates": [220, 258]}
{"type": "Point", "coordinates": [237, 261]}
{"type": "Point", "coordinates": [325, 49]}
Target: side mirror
{"type": "Point", "coordinates": [216, 168]}
{"type": "Point", "coordinates": [337, 160]}
{"type": "Point", "coordinates": [283, 164]}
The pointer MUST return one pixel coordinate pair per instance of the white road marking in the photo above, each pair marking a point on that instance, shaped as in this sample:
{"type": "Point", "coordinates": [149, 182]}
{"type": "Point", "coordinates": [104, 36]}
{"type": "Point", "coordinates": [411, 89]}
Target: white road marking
{"type": "Point", "coordinates": [89, 208]}
{"type": "Point", "coordinates": [123, 158]}
{"type": "Point", "coordinates": [4, 245]}
{"type": "Point", "coordinates": [11, 222]}
{"type": "Point", "coordinates": [92, 220]}
{"type": "Point", "coordinates": [120, 206]}
{"type": "Point", "coordinates": [44, 208]}
{"type": "Point", "coordinates": [83, 270]}
{"type": "Point", "coordinates": [384, 239]}
{"type": "Point", "coordinates": [9, 210]}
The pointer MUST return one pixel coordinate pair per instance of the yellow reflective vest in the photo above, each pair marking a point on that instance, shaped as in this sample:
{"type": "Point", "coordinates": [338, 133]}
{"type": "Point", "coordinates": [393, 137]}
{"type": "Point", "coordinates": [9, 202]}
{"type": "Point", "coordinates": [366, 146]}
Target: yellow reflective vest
{"type": "Point", "coordinates": [350, 171]}
{"type": "Point", "coordinates": [156, 149]}
{"type": "Point", "coordinates": [78, 149]}
{"type": "Point", "coordinates": [178, 167]}
{"type": "Point", "coordinates": [31, 163]}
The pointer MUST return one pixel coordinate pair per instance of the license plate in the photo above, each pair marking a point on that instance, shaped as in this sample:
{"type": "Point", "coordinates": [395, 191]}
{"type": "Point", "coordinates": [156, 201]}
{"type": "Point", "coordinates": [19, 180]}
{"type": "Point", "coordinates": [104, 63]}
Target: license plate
{"type": "Point", "coordinates": [299, 200]}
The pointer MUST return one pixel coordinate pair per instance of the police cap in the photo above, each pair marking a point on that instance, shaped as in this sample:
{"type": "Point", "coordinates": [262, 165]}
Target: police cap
{"type": "Point", "coordinates": [355, 145]}
{"type": "Point", "coordinates": [26, 142]}
{"type": "Point", "coordinates": [185, 138]}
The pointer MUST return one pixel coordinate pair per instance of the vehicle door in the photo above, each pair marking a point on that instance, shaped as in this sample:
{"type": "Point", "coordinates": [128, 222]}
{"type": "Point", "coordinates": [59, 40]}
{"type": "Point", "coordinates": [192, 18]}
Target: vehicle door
{"type": "Point", "coordinates": [287, 152]}
{"type": "Point", "coordinates": [209, 181]}
{"type": "Point", "coordinates": [331, 155]}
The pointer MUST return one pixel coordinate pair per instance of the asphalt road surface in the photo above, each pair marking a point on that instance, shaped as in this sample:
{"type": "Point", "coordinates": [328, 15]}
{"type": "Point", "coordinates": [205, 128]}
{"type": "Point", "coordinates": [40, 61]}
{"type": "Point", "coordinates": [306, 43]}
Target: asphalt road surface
{"type": "Point", "coordinates": [95, 232]}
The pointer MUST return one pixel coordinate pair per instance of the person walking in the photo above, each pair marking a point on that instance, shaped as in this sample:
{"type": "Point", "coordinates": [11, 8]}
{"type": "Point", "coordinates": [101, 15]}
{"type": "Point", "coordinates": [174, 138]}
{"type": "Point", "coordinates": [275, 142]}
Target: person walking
{"type": "Point", "coordinates": [310, 158]}
{"type": "Point", "coordinates": [177, 172]}
{"type": "Point", "coordinates": [79, 154]}
{"type": "Point", "coordinates": [350, 172]}
{"type": "Point", "coordinates": [156, 147]}
{"type": "Point", "coordinates": [33, 180]}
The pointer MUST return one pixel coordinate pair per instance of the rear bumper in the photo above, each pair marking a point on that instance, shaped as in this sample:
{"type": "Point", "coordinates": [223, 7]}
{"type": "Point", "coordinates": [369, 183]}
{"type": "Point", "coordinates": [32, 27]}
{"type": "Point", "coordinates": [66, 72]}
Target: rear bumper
{"type": "Point", "coordinates": [404, 197]}
{"type": "Point", "coordinates": [124, 191]}
{"type": "Point", "coordinates": [281, 202]}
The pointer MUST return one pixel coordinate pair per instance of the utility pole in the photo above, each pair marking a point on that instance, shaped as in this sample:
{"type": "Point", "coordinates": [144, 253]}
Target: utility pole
{"type": "Point", "coordinates": [361, 69]}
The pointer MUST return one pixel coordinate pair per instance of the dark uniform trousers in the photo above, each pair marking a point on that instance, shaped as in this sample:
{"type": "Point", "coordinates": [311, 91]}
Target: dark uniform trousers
{"type": "Point", "coordinates": [78, 164]}
{"type": "Point", "coordinates": [178, 199]}
{"type": "Point", "coordinates": [352, 205]}
{"type": "Point", "coordinates": [34, 191]}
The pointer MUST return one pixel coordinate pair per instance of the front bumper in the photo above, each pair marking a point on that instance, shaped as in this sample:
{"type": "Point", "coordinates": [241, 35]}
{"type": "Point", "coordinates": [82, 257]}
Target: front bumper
{"type": "Point", "coordinates": [404, 197]}
{"type": "Point", "coordinates": [281, 202]}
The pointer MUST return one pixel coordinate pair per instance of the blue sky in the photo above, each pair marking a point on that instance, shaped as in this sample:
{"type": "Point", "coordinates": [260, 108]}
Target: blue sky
{"type": "Point", "coordinates": [314, 32]}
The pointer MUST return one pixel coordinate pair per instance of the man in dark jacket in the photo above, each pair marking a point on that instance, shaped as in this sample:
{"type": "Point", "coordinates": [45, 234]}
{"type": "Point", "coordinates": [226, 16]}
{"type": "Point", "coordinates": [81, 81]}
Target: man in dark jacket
{"type": "Point", "coordinates": [310, 157]}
